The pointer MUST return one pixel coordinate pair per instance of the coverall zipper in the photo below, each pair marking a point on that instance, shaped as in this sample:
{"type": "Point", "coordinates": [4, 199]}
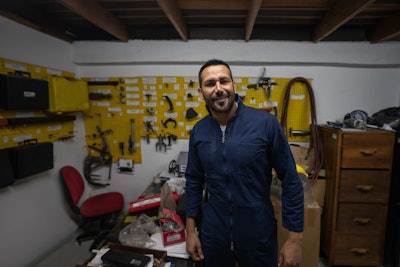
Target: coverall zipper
{"type": "Point", "coordinates": [230, 196]}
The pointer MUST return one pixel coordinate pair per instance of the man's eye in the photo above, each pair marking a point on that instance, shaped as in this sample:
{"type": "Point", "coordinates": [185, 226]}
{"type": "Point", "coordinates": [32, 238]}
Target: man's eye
{"type": "Point", "coordinates": [209, 84]}
{"type": "Point", "coordinates": [224, 81]}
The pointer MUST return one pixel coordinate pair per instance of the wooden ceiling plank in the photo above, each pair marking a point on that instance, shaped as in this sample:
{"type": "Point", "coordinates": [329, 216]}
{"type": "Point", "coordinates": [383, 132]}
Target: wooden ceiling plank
{"type": "Point", "coordinates": [174, 14]}
{"type": "Point", "coordinates": [254, 7]}
{"type": "Point", "coordinates": [99, 16]}
{"type": "Point", "coordinates": [243, 4]}
{"type": "Point", "coordinates": [213, 4]}
{"type": "Point", "coordinates": [297, 3]}
{"type": "Point", "coordinates": [386, 29]}
{"type": "Point", "coordinates": [341, 12]}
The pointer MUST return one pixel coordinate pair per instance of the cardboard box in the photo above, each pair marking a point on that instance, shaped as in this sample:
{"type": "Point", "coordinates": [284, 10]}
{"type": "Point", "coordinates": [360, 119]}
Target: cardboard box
{"type": "Point", "coordinates": [311, 234]}
{"type": "Point", "coordinates": [318, 191]}
{"type": "Point", "coordinates": [301, 155]}
{"type": "Point", "coordinates": [177, 233]}
{"type": "Point", "coordinates": [302, 158]}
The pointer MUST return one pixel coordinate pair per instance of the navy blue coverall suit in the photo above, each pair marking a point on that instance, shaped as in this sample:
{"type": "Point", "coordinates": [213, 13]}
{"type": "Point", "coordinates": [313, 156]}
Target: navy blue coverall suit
{"type": "Point", "coordinates": [238, 222]}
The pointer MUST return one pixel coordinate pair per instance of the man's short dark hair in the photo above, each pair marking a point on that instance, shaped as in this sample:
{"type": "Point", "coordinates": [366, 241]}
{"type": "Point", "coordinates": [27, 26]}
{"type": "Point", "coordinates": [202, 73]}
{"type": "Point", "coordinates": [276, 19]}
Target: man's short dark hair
{"type": "Point", "coordinates": [213, 62]}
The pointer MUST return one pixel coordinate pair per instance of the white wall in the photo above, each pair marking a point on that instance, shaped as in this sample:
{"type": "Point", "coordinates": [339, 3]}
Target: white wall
{"type": "Point", "coordinates": [346, 76]}
{"type": "Point", "coordinates": [247, 53]}
{"type": "Point", "coordinates": [24, 44]}
{"type": "Point", "coordinates": [33, 217]}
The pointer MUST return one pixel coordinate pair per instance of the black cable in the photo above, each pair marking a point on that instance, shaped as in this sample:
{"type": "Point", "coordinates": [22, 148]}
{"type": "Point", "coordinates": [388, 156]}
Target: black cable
{"type": "Point", "coordinates": [315, 143]}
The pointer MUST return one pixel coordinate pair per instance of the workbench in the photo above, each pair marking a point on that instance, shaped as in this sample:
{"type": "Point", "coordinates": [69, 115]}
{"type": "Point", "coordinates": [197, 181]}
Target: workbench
{"type": "Point", "coordinates": [123, 220]}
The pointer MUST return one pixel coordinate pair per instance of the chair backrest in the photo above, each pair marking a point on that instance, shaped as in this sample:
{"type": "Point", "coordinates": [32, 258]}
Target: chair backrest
{"type": "Point", "coordinates": [74, 183]}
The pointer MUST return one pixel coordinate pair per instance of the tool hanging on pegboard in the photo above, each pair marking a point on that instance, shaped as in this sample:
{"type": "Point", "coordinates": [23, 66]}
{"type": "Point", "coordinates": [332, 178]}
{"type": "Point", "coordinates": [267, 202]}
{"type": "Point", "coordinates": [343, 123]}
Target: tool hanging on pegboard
{"type": "Point", "coordinates": [161, 145]}
{"type": "Point", "coordinates": [315, 144]}
{"type": "Point", "coordinates": [131, 143]}
{"type": "Point", "coordinates": [266, 83]}
{"type": "Point", "coordinates": [102, 158]}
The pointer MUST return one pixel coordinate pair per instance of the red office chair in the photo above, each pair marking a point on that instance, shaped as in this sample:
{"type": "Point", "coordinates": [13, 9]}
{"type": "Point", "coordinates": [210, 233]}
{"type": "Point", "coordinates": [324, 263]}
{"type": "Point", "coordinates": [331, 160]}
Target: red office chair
{"type": "Point", "coordinates": [102, 209]}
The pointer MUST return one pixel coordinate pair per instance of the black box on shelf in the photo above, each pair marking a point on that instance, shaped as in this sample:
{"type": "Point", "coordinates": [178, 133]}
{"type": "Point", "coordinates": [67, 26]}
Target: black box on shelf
{"type": "Point", "coordinates": [6, 171]}
{"type": "Point", "coordinates": [30, 159]}
{"type": "Point", "coordinates": [20, 92]}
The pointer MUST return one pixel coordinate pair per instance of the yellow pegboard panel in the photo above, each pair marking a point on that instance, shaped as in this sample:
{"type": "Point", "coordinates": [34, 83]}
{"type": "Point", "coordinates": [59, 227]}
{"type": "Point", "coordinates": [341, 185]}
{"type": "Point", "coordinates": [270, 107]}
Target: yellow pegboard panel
{"type": "Point", "coordinates": [181, 93]}
{"type": "Point", "coordinates": [116, 105]}
{"type": "Point", "coordinates": [299, 110]}
{"type": "Point", "coordinates": [132, 97]}
{"type": "Point", "coordinates": [145, 100]}
{"type": "Point", "coordinates": [9, 66]}
{"type": "Point", "coordinates": [299, 106]}
{"type": "Point", "coordinates": [11, 135]}
{"type": "Point", "coordinates": [44, 132]}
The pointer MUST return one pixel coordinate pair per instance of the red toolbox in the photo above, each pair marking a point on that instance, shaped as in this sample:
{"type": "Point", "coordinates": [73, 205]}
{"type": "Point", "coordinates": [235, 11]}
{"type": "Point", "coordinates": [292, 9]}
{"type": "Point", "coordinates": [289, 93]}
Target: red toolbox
{"type": "Point", "coordinates": [146, 203]}
{"type": "Point", "coordinates": [173, 229]}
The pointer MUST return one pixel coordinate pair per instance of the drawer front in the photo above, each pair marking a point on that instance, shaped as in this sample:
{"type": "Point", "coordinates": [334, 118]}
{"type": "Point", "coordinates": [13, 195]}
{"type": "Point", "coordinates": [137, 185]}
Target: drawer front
{"type": "Point", "coordinates": [371, 151]}
{"type": "Point", "coordinates": [364, 186]}
{"type": "Point", "coordinates": [361, 218]}
{"type": "Point", "coordinates": [359, 250]}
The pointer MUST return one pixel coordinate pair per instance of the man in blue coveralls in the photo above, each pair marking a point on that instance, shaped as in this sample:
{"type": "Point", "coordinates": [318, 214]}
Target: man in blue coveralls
{"type": "Point", "coordinates": [232, 152]}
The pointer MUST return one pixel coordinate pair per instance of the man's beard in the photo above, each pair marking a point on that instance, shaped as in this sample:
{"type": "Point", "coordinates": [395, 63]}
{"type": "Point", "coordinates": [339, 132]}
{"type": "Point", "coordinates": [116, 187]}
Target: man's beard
{"type": "Point", "coordinates": [215, 107]}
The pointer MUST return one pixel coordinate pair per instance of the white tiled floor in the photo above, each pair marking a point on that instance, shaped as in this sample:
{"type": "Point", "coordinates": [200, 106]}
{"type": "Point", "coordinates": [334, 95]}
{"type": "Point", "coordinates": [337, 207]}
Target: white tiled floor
{"type": "Point", "coordinates": [67, 255]}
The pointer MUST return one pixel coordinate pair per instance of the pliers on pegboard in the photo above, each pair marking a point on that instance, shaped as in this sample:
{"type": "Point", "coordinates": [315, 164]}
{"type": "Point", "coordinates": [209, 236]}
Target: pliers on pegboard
{"type": "Point", "coordinates": [161, 144]}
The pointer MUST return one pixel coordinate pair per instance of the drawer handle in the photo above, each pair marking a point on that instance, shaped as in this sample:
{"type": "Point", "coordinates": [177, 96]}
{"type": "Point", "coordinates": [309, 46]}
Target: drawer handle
{"type": "Point", "coordinates": [359, 251]}
{"type": "Point", "coordinates": [364, 188]}
{"type": "Point", "coordinates": [368, 153]}
{"type": "Point", "coordinates": [362, 221]}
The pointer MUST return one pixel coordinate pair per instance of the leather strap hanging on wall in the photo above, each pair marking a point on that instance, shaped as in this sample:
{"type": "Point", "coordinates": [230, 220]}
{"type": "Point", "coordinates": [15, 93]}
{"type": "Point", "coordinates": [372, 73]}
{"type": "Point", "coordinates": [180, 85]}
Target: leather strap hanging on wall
{"type": "Point", "coordinates": [315, 144]}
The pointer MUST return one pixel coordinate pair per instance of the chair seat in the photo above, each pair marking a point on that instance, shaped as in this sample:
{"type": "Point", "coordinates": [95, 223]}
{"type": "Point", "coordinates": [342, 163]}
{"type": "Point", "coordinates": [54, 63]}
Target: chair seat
{"type": "Point", "coordinates": [102, 204]}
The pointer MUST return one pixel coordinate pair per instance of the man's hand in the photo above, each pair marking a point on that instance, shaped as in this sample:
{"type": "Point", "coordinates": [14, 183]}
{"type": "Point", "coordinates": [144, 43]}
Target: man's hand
{"type": "Point", "coordinates": [193, 245]}
{"type": "Point", "coordinates": [290, 254]}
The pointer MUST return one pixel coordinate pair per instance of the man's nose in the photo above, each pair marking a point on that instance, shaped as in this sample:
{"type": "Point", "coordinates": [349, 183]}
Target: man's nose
{"type": "Point", "coordinates": [218, 86]}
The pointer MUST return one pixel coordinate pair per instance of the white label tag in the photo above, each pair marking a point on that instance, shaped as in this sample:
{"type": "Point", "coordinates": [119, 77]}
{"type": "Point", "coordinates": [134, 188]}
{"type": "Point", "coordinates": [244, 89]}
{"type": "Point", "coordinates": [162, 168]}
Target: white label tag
{"type": "Point", "coordinates": [29, 94]}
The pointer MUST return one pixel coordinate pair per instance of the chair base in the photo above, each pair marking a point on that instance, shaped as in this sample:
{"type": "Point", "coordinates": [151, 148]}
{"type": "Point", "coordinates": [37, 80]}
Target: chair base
{"type": "Point", "coordinates": [96, 230]}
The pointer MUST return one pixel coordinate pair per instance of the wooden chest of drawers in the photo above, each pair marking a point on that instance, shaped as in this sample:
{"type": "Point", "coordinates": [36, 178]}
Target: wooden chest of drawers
{"type": "Point", "coordinates": [358, 169]}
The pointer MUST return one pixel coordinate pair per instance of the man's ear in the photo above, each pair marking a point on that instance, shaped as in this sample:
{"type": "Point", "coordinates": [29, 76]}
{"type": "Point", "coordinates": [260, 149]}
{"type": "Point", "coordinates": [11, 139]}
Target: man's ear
{"type": "Point", "coordinates": [200, 93]}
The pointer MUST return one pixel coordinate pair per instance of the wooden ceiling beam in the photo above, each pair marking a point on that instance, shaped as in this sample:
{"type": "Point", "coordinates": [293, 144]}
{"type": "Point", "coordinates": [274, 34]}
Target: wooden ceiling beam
{"type": "Point", "coordinates": [40, 25]}
{"type": "Point", "coordinates": [254, 7]}
{"type": "Point", "coordinates": [174, 14]}
{"type": "Point", "coordinates": [99, 16]}
{"type": "Point", "coordinates": [386, 29]}
{"type": "Point", "coordinates": [32, 18]}
{"type": "Point", "coordinates": [341, 12]}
